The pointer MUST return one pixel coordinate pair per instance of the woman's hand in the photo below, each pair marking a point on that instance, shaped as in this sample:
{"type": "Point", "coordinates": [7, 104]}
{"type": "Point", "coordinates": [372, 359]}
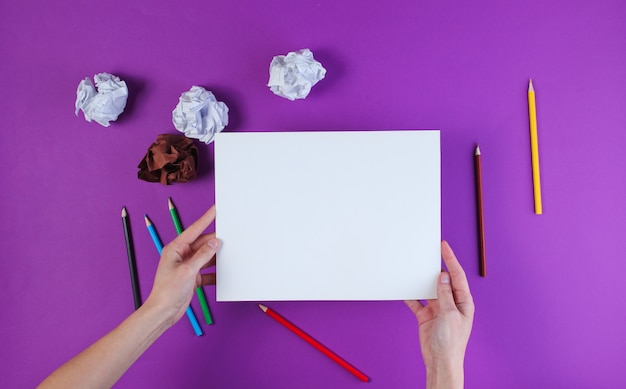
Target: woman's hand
{"type": "Point", "coordinates": [178, 273]}
{"type": "Point", "coordinates": [445, 325]}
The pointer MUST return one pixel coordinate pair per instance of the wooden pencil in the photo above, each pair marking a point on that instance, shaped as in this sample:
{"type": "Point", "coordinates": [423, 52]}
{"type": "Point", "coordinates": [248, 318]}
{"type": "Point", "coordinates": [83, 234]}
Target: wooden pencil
{"type": "Point", "coordinates": [320, 347]}
{"type": "Point", "coordinates": [534, 147]}
{"type": "Point", "coordinates": [480, 212]}
{"type": "Point", "coordinates": [199, 291]}
{"type": "Point", "coordinates": [132, 264]}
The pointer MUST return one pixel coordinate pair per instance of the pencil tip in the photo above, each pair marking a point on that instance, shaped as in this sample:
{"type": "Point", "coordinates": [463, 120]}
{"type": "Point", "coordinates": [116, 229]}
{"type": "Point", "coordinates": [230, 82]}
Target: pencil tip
{"type": "Point", "coordinates": [477, 150]}
{"type": "Point", "coordinates": [530, 86]}
{"type": "Point", "coordinates": [263, 307]}
{"type": "Point", "coordinates": [145, 217]}
{"type": "Point", "coordinates": [124, 213]}
{"type": "Point", "coordinates": [169, 203]}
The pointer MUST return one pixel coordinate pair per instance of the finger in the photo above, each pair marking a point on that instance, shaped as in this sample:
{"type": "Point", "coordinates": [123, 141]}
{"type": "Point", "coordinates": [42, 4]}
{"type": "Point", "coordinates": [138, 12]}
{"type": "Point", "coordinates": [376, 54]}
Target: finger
{"type": "Point", "coordinates": [433, 303]}
{"type": "Point", "coordinates": [211, 263]}
{"type": "Point", "coordinates": [444, 293]}
{"type": "Point", "coordinates": [415, 306]}
{"type": "Point", "coordinates": [202, 239]}
{"type": "Point", "coordinates": [204, 254]}
{"type": "Point", "coordinates": [460, 286]}
{"type": "Point", "coordinates": [207, 279]}
{"type": "Point", "coordinates": [196, 229]}
{"type": "Point", "coordinates": [423, 312]}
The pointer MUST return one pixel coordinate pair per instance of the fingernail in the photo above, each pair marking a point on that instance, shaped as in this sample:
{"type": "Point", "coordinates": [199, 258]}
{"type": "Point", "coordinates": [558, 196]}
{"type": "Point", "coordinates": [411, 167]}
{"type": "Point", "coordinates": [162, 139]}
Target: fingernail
{"type": "Point", "coordinates": [445, 278]}
{"type": "Point", "coordinates": [212, 243]}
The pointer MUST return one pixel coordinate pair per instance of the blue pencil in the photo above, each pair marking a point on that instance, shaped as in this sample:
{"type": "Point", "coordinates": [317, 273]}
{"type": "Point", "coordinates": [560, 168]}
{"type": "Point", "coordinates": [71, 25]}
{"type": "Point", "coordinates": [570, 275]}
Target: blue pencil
{"type": "Point", "coordinates": [159, 247]}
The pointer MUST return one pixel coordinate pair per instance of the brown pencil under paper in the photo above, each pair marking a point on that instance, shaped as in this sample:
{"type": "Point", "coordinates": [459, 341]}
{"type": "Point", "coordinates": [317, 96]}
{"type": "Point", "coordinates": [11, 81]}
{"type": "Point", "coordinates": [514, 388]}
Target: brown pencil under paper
{"type": "Point", "coordinates": [479, 212]}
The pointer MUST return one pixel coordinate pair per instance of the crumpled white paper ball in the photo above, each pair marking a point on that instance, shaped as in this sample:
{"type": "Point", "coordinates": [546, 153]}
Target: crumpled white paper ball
{"type": "Point", "coordinates": [293, 75]}
{"type": "Point", "coordinates": [107, 103]}
{"type": "Point", "coordinates": [199, 115]}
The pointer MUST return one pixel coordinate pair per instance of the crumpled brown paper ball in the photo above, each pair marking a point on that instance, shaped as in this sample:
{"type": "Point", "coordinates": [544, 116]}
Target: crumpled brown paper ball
{"type": "Point", "coordinates": [172, 158]}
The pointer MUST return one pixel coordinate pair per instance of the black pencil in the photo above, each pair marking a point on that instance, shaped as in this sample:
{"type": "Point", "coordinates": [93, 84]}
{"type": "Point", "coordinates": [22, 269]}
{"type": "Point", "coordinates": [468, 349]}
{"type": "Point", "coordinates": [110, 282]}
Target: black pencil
{"type": "Point", "coordinates": [131, 259]}
{"type": "Point", "coordinates": [479, 213]}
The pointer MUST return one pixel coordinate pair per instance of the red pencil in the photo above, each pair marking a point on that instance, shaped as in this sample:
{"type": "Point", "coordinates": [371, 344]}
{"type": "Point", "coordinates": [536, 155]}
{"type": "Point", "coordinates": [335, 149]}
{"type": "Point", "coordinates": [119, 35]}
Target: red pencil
{"type": "Point", "coordinates": [315, 343]}
{"type": "Point", "coordinates": [479, 213]}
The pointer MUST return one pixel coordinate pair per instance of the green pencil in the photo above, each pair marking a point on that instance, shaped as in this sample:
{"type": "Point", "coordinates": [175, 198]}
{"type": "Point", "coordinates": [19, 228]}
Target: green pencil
{"type": "Point", "coordinates": [199, 291]}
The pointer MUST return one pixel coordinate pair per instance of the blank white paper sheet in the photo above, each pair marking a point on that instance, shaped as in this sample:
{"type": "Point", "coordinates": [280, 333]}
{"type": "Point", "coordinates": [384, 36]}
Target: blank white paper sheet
{"type": "Point", "coordinates": [337, 215]}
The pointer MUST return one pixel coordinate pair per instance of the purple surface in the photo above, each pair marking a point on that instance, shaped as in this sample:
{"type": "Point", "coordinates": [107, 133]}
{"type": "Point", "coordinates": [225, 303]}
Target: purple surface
{"type": "Point", "coordinates": [551, 312]}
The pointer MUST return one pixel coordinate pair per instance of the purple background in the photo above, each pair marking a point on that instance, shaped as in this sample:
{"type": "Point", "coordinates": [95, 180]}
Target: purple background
{"type": "Point", "coordinates": [551, 312]}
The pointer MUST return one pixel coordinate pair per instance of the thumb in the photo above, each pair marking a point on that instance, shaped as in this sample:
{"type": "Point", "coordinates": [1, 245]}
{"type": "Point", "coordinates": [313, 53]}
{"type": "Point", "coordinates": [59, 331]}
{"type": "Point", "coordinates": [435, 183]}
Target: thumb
{"type": "Point", "coordinates": [444, 292]}
{"type": "Point", "coordinates": [204, 253]}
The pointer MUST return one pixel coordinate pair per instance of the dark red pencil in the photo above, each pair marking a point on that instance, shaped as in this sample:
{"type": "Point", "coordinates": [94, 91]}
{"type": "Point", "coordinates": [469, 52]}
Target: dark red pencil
{"type": "Point", "coordinates": [479, 213]}
{"type": "Point", "coordinates": [314, 343]}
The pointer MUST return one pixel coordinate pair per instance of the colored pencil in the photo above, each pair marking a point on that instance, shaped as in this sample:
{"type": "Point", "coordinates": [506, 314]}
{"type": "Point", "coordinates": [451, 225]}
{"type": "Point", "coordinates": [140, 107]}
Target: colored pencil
{"type": "Point", "coordinates": [479, 212]}
{"type": "Point", "coordinates": [534, 147]}
{"type": "Point", "coordinates": [199, 291]}
{"type": "Point", "coordinates": [314, 343]}
{"type": "Point", "coordinates": [159, 246]}
{"type": "Point", "coordinates": [132, 265]}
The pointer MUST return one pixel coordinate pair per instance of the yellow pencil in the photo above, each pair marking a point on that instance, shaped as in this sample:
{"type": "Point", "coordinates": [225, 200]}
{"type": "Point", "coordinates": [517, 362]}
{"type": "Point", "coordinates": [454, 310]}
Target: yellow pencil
{"type": "Point", "coordinates": [534, 147]}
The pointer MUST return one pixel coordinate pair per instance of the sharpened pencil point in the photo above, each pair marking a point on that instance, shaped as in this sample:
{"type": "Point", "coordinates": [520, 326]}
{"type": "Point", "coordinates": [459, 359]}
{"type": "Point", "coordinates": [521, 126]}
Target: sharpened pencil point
{"type": "Point", "coordinates": [263, 307]}
{"type": "Point", "coordinates": [477, 150]}
{"type": "Point", "coordinates": [148, 222]}
{"type": "Point", "coordinates": [124, 213]}
{"type": "Point", "coordinates": [169, 203]}
{"type": "Point", "coordinates": [530, 86]}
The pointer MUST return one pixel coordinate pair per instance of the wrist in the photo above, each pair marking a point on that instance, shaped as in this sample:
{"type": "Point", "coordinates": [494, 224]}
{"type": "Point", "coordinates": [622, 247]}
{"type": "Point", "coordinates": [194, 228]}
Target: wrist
{"type": "Point", "coordinates": [444, 374]}
{"type": "Point", "coordinates": [160, 319]}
